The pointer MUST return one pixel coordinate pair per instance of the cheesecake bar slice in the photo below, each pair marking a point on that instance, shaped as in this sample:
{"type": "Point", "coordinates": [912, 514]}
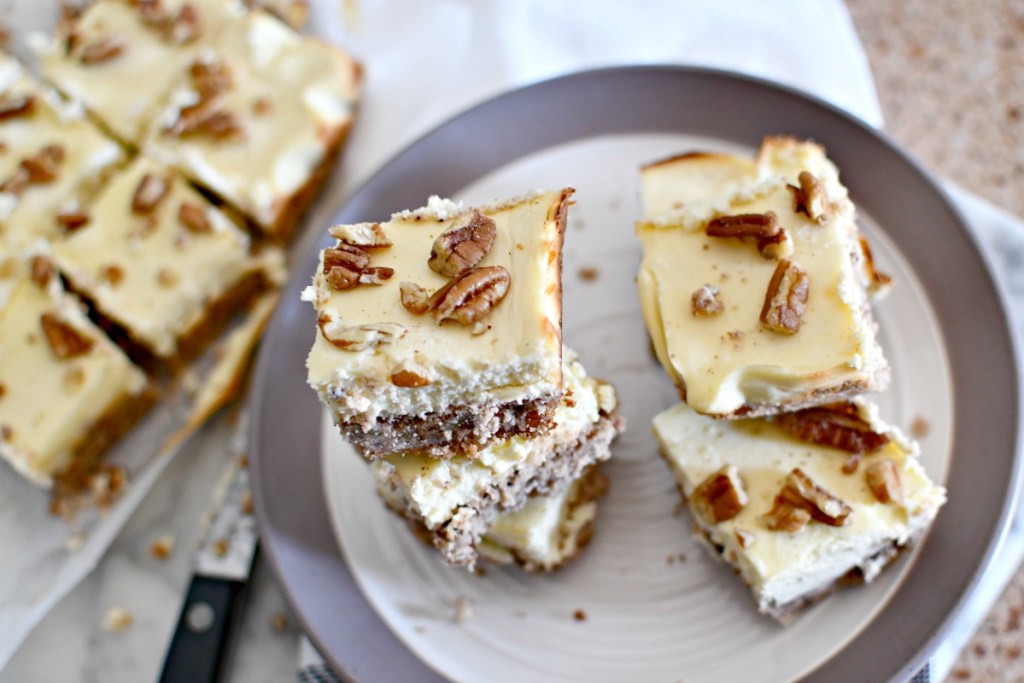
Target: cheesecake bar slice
{"type": "Point", "coordinates": [457, 500]}
{"type": "Point", "coordinates": [66, 391]}
{"type": "Point", "coordinates": [122, 57]}
{"type": "Point", "coordinates": [754, 281]}
{"type": "Point", "coordinates": [440, 330]}
{"type": "Point", "coordinates": [800, 503]}
{"type": "Point", "coordinates": [54, 160]}
{"type": "Point", "coordinates": [160, 262]}
{"type": "Point", "coordinates": [259, 119]}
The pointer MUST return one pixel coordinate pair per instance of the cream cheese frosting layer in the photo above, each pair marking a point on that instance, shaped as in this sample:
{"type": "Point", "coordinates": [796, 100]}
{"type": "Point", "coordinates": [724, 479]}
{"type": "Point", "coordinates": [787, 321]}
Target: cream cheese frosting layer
{"type": "Point", "coordinates": [291, 98]}
{"type": "Point", "coordinates": [785, 567]}
{"type": "Point", "coordinates": [542, 534]}
{"type": "Point", "coordinates": [150, 271]}
{"type": "Point", "coordinates": [729, 363]}
{"type": "Point", "coordinates": [49, 402]}
{"type": "Point", "coordinates": [516, 358]}
{"type": "Point", "coordinates": [433, 489]}
{"type": "Point", "coordinates": [86, 158]}
{"type": "Point", "coordinates": [125, 89]}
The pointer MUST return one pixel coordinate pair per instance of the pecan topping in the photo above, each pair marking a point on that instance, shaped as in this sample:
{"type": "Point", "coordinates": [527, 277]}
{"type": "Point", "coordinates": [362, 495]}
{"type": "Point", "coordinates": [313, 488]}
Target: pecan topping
{"type": "Point", "coordinates": [6, 433]}
{"type": "Point", "coordinates": [202, 119]}
{"type": "Point", "coordinates": [410, 375]}
{"type": "Point", "coordinates": [720, 497]}
{"type": "Point", "coordinates": [838, 425]}
{"type": "Point", "coordinates": [877, 280]}
{"type": "Point", "coordinates": [884, 481]}
{"type": "Point", "coordinates": [811, 199]}
{"type": "Point", "coordinates": [365, 235]}
{"type": "Point", "coordinates": [786, 298]}
{"type": "Point", "coordinates": [744, 538]}
{"type": "Point", "coordinates": [705, 302]}
{"type": "Point", "coordinates": [185, 27]}
{"type": "Point", "coordinates": [151, 191]}
{"type": "Point", "coordinates": [15, 106]}
{"type": "Point", "coordinates": [3, 389]}
{"type": "Point", "coordinates": [42, 168]}
{"type": "Point", "coordinates": [785, 517]}
{"type": "Point", "coordinates": [358, 337]}
{"type": "Point", "coordinates": [376, 275]}
{"type": "Point", "coordinates": [801, 492]}
{"type": "Point", "coordinates": [463, 245]}
{"type": "Point", "coordinates": [41, 270]}
{"type": "Point", "coordinates": [113, 274]}
{"type": "Point", "coordinates": [771, 239]}
{"type": "Point", "coordinates": [17, 183]}
{"type": "Point", "coordinates": [343, 264]}
{"type": "Point", "coordinates": [472, 295]}
{"type": "Point", "coordinates": [415, 299]}
{"type": "Point", "coordinates": [72, 219]}
{"type": "Point", "coordinates": [66, 341]}
{"type": "Point", "coordinates": [209, 78]}
{"type": "Point", "coordinates": [103, 50]}
{"type": "Point", "coordinates": [193, 217]}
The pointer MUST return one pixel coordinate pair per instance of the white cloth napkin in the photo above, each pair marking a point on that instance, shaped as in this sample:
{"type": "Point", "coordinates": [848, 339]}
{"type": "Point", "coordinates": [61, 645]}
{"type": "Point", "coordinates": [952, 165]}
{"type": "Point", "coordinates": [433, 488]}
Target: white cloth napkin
{"type": "Point", "coordinates": [428, 61]}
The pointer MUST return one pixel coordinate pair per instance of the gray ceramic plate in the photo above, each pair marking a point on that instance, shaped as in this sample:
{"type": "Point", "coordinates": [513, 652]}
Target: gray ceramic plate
{"type": "Point", "coordinates": [919, 223]}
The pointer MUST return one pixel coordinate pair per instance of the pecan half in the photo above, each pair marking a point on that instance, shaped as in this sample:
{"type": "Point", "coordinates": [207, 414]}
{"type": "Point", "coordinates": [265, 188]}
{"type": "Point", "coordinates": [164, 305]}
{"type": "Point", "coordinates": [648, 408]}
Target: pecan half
{"type": "Point", "coordinates": [342, 265]}
{"type": "Point", "coordinates": [811, 199]}
{"type": "Point", "coordinates": [151, 191]}
{"type": "Point", "coordinates": [837, 425]}
{"type": "Point", "coordinates": [365, 235]}
{"type": "Point", "coordinates": [415, 299]}
{"type": "Point", "coordinates": [472, 296]}
{"type": "Point", "coordinates": [41, 270]}
{"type": "Point", "coordinates": [705, 302]}
{"type": "Point", "coordinates": [801, 491]}
{"type": "Point", "coordinates": [720, 496]}
{"type": "Point", "coordinates": [43, 167]}
{"type": "Point", "coordinates": [409, 375]}
{"type": "Point", "coordinates": [463, 245]}
{"type": "Point", "coordinates": [203, 119]}
{"type": "Point", "coordinates": [14, 106]}
{"type": "Point", "coordinates": [193, 217]}
{"type": "Point", "coordinates": [65, 340]}
{"type": "Point", "coordinates": [103, 50]}
{"type": "Point", "coordinates": [358, 337]}
{"type": "Point", "coordinates": [376, 275]}
{"type": "Point", "coordinates": [884, 480]}
{"type": "Point", "coordinates": [763, 228]}
{"type": "Point", "coordinates": [786, 298]}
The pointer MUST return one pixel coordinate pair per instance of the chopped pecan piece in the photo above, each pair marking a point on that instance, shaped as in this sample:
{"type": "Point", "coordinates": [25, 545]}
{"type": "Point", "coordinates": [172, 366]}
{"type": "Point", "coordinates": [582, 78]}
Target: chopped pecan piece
{"type": "Point", "coordinates": [744, 538]}
{"type": "Point", "coordinates": [103, 50]}
{"type": "Point", "coordinates": [462, 246]}
{"type": "Point", "coordinates": [472, 295]}
{"type": "Point", "coordinates": [884, 481]}
{"type": "Point", "coordinates": [720, 496]}
{"type": "Point", "coordinates": [415, 298]}
{"type": "Point", "coordinates": [113, 274]}
{"type": "Point", "coordinates": [786, 298]}
{"type": "Point", "coordinates": [185, 27]}
{"type": "Point", "coordinates": [802, 492]}
{"type": "Point", "coordinates": [15, 106]}
{"type": "Point", "coordinates": [877, 280]}
{"type": "Point", "coordinates": [377, 275]}
{"type": "Point", "coordinates": [771, 239]}
{"type": "Point", "coordinates": [41, 270]}
{"type": "Point", "coordinates": [209, 78]}
{"type": "Point", "coordinates": [410, 375]}
{"type": "Point", "coordinates": [65, 340]}
{"type": "Point", "coordinates": [42, 168]}
{"type": "Point", "coordinates": [193, 217]}
{"type": "Point", "coordinates": [358, 337]}
{"type": "Point", "coordinates": [203, 119]}
{"type": "Point", "coordinates": [786, 517]}
{"type": "Point", "coordinates": [72, 219]}
{"type": "Point", "coordinates": [151, 191]}
{"type": "Point", "coordinates": [837, 425]}
{"type": "Point", "coordinates": [343, 264]}
{"type": "Point", "coordinates": [811, 199]}
{"type": "Point", "coordinates": [3, 389]}
{"type": "Point", "coordinates": [365, 235]}
{"type": "Point", "coordinates": [705, 302]}
{"type": "Point", "coordinates": [6, 432]}
{"type": "Point", "coordinates": [17, 183]}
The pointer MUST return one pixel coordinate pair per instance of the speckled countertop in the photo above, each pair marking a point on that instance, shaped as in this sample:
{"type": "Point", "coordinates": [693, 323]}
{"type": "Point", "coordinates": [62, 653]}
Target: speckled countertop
{"type": "Point", "coordinates": [950, 75]}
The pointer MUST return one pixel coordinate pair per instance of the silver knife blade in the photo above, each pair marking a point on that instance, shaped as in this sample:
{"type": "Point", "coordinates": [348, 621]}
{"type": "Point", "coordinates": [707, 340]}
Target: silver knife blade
{"type": "Point", "coordinates": [230, 543]}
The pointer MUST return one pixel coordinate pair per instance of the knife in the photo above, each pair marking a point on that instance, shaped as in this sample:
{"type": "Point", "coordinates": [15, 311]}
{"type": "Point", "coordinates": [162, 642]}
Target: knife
{"type": "Point", "coordinates": [223, 564]}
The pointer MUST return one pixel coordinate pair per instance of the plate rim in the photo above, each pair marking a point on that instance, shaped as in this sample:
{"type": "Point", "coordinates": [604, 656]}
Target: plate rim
{"type": "Point", "coordinates": [377, 642]}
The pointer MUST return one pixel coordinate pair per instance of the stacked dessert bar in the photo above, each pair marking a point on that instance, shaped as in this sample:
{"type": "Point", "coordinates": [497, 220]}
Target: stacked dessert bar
{"type": "Point", "coordinates": [146, 183]}
{"type": "Point", "coordinates": [439, 355]}
{"type": "Point", "coordinates": [755, 288]}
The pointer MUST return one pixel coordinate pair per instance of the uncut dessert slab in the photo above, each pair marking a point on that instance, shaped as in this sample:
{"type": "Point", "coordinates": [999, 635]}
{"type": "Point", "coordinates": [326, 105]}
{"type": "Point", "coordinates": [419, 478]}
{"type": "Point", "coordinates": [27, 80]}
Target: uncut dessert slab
{"type": "Point", "coordinates": [656, 606]}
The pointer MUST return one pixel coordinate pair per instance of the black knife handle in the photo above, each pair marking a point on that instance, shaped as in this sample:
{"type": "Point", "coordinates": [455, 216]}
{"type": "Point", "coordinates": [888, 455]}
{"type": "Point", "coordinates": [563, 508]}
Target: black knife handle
{"type": "Point", "coordinates": [196, 654]}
